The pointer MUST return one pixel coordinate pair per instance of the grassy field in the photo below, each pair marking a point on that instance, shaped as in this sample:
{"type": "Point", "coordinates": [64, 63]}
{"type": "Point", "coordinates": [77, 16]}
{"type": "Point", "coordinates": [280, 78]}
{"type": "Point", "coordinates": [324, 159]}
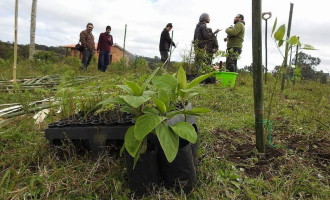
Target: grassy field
{"type": "Point", "coordinates": [295, 165]}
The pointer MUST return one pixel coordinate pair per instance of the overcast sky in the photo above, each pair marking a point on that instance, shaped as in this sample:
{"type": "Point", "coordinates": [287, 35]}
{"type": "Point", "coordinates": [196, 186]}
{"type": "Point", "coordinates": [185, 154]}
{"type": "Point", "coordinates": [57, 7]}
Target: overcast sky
{"type": "Point", "coordinates": [60, 22]}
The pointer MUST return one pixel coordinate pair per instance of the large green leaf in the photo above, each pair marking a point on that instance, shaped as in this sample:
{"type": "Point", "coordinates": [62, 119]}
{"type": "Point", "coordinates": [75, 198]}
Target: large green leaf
{"type": "Point", "coordinates": [135, 101]}
{"type": "Point", "coordinates": [163, 95]}
{"type": "Point", "coordinates": [199, 79]}
{"type": "Point", "coordinates": [293, 40]}
{"type": "Point", "coordinates": [181, 77]}
{"type": "Point", "coordinates": [160, 105]}
{"type": "Point", "coordinates": [145, 124]}
{"type": "Point", "coordinates": [115, 100]}
{"type": "Point", "coordinates": [169, 141]}
{"type": "Point", "coordinates": [279, 34]}
{"type": "Point", "coordinates": [132, 145]}
{"type": "Point", "coordinates": [165, 82]}
{"type": "Point", "coordinates": [135, 88]}
{"type": "Point", "coordinates": [186, 131]}
{"type": "Point", "coordinates": [125, 88]}
{"type": "Point", "coordinates": [150, 110]}
{"type": "Point", "coordinates": [274, 25]}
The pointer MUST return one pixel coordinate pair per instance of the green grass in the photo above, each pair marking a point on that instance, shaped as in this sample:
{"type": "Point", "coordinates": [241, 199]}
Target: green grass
{"type": "Point", "coordinates": [298, 168]}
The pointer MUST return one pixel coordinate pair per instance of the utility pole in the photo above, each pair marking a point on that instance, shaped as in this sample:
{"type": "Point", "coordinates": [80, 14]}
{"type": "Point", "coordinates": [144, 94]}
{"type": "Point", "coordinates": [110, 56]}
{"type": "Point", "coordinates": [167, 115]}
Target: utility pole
{"type": "Point", "coordinates": [15, 41]}
{"type": "Point", "coordinates": [257, 75]}
{"type": "Point", "coordinates": [124, 41]}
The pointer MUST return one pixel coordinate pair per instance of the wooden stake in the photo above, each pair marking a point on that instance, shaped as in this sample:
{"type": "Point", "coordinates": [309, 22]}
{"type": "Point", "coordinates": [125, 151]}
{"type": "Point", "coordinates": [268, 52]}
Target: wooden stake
{"type": "Point", "coordinates": [258, 74]}
{"type": "Point", "coordinates": [15, 42]}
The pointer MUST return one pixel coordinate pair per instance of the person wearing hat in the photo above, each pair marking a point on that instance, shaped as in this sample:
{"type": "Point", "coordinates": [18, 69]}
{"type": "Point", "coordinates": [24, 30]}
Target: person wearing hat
{"type": "Point", "coordinates": [103, 48]}
{"type": "Point", "coordinates": [202, 37]}
{"type": "Point", "coordinates": [165, 42]}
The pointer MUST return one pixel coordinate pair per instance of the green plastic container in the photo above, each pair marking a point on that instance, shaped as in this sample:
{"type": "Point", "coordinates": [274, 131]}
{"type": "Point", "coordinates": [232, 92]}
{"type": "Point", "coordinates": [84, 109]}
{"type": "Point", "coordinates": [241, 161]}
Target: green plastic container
{"type": "Point", "coordinates": [226, 79]}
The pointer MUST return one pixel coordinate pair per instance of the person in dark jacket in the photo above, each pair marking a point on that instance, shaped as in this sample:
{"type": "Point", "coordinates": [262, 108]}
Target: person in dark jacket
{"type": "Point", "coordinates": [202, 37]}
{"type": "Point", "coordinates": [103, 48]}
{"type": "Point", "coordinates": [88, 44]}
{"type": "Point", "coordinates": [165, 42]}
{"type": "Point", "coordinates": [235, 38]}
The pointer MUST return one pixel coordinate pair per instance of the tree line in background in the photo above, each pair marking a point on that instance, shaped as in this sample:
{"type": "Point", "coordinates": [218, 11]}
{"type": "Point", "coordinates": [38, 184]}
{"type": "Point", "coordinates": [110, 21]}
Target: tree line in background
{"type": "Point", "coordinates": [304, 68]}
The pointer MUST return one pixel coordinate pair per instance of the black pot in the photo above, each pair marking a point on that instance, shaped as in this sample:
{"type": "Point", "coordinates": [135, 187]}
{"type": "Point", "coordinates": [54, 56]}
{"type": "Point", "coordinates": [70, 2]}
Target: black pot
{"type": "Point", "coordinates": [180, 173]}
{"type": "Point", "coordinates": [146, 173]}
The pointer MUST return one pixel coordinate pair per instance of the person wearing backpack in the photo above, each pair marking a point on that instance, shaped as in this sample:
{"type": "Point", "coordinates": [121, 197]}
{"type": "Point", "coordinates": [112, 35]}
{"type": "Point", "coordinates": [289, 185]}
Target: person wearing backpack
{"type": "Point", "coordinates": [202, 37]}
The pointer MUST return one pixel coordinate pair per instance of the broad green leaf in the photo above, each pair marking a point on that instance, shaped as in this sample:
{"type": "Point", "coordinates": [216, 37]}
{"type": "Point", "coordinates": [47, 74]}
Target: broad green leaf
{"type": "Point", "coordinates": [135, 101]}
{"type": "Point", "coordinates": [115, 100]}
{"type": "Point", "coordinates": [150, 110]}
{"type": "Point", "coordinates": [132, 145]}
{"type": "Point", "coordinates": [125, 88]}
{"type": "Point", "coordinates": [169, 141]}
{"type": "Point", "coordinates": [308, 47]}
{"type": "Point", "coordinates": [279, 34]}
{"type": "Point", "coordinates": [145, 124]}
{"type": "Point", "coordinates": [148, 93]}
{"type": "Point", "coordinates": [162, 95]}
{"type": "Point", "coordinates": [128, 109]}
{"type": "Point", "coordinates": [165, 82]}
{"type": "Point", "coordinates": [160, 105]}
{"type": "Point", "coordinates": [147, 81]}
{"type": "Point", "coordinates": [274, 25]}
{"type": "Point", "coordinates": [191, 95]}
{"type": "Point", "coordinates": [135, 88]}
{"type": "Point", "coordinates": [199, 79]}
{"type": "Point", "coordinates": [293, 40]}
{"type": "Point", "coordinates": [186, 131]}
{"type": "Point", "coordinates": [182, 79]}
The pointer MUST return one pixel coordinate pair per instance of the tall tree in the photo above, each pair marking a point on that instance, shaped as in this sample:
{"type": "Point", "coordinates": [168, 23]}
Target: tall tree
{"type": "Point", "coordinates": [307, 64]}
{"type": "Point", "coordinates": [33, 29]}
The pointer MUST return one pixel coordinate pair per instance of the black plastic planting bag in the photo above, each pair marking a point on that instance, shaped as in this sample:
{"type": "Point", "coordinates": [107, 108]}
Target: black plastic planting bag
{"type": "Point", "coordinates": [146, 173]}
{"type": "Point", "coordinates": [181, 173]}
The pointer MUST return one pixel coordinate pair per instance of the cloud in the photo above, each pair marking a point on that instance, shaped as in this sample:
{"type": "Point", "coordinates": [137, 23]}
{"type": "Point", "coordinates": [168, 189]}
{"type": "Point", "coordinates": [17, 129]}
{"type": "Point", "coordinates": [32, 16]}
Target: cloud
{"type": "Point", "coordinates": [60, 22]}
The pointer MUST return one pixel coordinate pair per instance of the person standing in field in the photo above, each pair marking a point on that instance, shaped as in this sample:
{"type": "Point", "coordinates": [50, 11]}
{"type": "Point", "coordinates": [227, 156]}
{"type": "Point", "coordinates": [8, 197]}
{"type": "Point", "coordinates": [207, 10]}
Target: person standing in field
{"type": "Point", "coordinates": [165, 42]}
{"type": "Point", "coordinates": [235, 38]}
{"type": "Point", "coordinates": [202, 37]}
{"type": "Point", "coordinates": [104, 48]}
{"type": "Point", "coordinates": [88, 44]}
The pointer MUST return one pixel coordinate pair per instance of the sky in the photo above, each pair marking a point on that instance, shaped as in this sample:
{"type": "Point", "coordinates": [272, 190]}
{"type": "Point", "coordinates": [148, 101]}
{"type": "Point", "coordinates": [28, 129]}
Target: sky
{"type": "Point", "coordinates": [60, 22]}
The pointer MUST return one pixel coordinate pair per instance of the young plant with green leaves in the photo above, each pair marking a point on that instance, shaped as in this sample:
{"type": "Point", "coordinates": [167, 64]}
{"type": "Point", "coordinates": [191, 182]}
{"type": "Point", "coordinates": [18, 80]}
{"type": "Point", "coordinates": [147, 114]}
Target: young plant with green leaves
{"type": "Point", "coordinates": [153, 106]}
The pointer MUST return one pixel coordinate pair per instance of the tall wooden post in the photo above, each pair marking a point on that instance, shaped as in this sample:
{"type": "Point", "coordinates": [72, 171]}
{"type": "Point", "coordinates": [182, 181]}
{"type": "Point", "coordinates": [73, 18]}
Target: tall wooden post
{"type": "Point", "coordinates": [285, 62]}
{"type": "Point", "coordinates": [124, 41]}
{"type": "Point", "coordinates": [15, 41]}
{"type": "Point", "coordinates": [258, 74]}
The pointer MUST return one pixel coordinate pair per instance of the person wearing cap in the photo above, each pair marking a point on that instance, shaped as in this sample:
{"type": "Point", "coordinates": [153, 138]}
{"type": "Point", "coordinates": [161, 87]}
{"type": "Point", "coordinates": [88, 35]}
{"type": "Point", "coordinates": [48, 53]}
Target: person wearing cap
{"type": "Point", "coordinates": [87, 42]}
{"type": "Point", "coordinates": [104, 48]}
{"type": "Point", "coordinates": [202, 37]}
{"type": "Point", "coordinates": [165, 42]}
{"type": "Point", "coordinates": [234, 39]}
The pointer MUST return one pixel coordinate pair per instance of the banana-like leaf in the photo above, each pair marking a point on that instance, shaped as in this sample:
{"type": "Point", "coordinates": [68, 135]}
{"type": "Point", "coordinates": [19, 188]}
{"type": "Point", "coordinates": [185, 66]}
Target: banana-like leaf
{"type": "Point", "coordinates": [182, 79]}
{"type": "Point", "coordinates": [146, 124]}
{"type": "Point", "coordinates": [125, 88]}
{"type": "Point", "coordinates": [169, 141]}
{"type": "Point", "coordinates": [135, 88]}
{"type": "Point", "coordinates": [165, 82]}
{"type": "Point", "coordinates": [163, 95]}
{"type": "Point", "coordinates": [132, 145]}
{"type": "Point", "coordinates": [186, 131]}
{"type": "Point", "coordinates": [135, 101]}
{"type": "Point", "coordinates": [160, 105]}
{"type": "Point", "coordinates": [115, 100]}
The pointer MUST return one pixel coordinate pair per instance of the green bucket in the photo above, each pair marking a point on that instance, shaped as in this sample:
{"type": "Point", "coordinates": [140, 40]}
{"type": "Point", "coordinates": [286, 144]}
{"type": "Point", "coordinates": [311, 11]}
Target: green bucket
{"type": "Point", "coordinates": [226, 79]}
